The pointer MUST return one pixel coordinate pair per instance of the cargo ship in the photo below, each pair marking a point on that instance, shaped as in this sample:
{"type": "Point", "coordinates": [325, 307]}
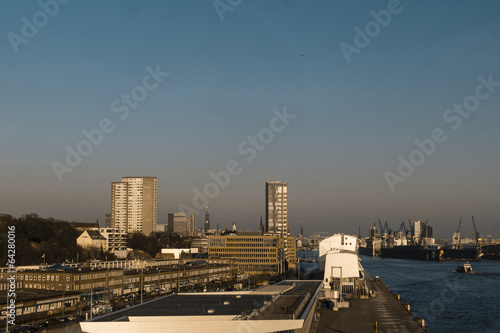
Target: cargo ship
{"type": "Point", "coordinates": [417, 252]}
{"type": "Point", "coordinates": [432, 253]}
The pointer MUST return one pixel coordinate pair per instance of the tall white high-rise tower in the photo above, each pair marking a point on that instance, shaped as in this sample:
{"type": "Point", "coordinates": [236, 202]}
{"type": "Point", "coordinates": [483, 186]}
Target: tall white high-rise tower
{"type": "Point", "coordinates": [277, 208]}
{"type": "Point", "coordinates": [133, 204]}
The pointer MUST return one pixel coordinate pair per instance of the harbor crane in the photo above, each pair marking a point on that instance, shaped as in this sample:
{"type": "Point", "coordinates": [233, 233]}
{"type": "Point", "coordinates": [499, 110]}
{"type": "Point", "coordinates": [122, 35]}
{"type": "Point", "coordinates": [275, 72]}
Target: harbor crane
{"type": "Point", "coordinates": [478, 236]}
{"type": "Point", "coordinates": [456, 236]}
{"type": "Point", "coordinates": [388, 229]}
{"type": "Point", "coordinates": [404, 229]}
{"type": "Point", "coordinates": [426, 223]}
{"type": "Point", "coordinates": [381, 229]}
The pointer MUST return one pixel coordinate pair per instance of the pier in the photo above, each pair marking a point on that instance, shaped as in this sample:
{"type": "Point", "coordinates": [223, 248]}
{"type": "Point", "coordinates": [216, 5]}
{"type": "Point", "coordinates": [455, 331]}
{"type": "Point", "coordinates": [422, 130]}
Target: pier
{"type": "Point", "coordinates": [383, 309]}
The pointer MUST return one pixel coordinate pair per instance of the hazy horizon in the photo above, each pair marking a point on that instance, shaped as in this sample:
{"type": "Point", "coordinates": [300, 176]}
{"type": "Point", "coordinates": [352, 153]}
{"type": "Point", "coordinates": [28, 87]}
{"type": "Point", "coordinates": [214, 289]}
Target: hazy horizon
{"type": "Point", "coordinates": [368, 110]}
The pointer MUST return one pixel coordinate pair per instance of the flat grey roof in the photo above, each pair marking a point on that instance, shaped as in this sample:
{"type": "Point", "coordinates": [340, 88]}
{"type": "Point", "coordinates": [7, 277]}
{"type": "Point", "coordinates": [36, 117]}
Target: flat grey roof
{"type": "Point", "coordinates": [194, 305]}
{"type": "Point", "coordinates": [284, 302]}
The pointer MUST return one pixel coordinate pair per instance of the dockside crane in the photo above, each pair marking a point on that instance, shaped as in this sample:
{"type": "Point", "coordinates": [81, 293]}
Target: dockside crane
{"type": "Point", "coordinates": [404, 233]}
{"type": "Point", "coordinates": [387, 228]}
{"type": "Point", "coordinates": [456, 236]}
{"type": "Point", "coordinates": [426, 223]}
{"type": "Point", "coordinates": [381, 229]}
{"type": "Point", "coordinates": [478, 236]}
{"type": "Point", "coordinates": [404, 229]}
{"type": "Point", "coordinates": [412, 233]}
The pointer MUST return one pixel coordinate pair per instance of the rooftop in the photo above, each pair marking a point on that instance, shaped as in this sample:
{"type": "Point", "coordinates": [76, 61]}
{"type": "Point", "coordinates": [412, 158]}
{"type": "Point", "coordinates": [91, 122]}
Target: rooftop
{"type": "Point", "coordinates": [283, 306]}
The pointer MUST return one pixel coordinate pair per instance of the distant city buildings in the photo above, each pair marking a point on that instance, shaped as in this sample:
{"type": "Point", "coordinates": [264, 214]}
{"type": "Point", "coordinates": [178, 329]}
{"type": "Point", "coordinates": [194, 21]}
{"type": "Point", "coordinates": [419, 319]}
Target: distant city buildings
{"type": "Point", "coordinates": [181, 223]}
{"type": "Point", "coordinates": [107, 220]}
{"type": "Point", "coordinates": [134, 204]}
{"type": "Point", "coordinates": [161, 227]}
{"type": "Point", "coordinates": [419, 230]}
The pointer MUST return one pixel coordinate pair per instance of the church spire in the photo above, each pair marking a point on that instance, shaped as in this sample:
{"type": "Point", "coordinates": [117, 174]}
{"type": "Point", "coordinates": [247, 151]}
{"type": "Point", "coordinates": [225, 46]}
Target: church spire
{"type": "Point", "coordinates": [207, 221]}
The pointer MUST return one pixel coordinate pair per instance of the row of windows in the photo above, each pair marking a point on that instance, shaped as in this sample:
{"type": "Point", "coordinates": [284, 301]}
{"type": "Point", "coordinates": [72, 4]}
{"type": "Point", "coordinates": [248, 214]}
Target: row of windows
{"type": "Point", "coordinates": [255, 255]}
{"type": "Point", "coordinates": [35, 277]}
{"type": "Point", "coordinates": [98, 284]}
{"type": "Point", "coordinates": [242, 250]}
{"type": "Point", "coordinates": [102, 275]}
{"type": "Point", "coordinates": [249, 240]}
{"type": "Point", "coordinates": [55, 277]}
{"type": "Point", "coordinates": [270, 261]}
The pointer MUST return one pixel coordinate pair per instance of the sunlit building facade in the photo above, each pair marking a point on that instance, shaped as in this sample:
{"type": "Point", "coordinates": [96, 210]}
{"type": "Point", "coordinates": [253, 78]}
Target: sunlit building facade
{"type": "Point", "coordinates": [277, 208]}
{"type": "Point", "coordinates": [134, 204]}
{"type": "Point", "coordinates": [252, 253]}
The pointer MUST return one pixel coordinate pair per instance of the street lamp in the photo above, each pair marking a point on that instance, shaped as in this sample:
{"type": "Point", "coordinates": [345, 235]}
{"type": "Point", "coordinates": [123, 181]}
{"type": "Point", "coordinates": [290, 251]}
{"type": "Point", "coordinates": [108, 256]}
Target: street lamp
{"type": "Point", "coordinates": [142, 281]}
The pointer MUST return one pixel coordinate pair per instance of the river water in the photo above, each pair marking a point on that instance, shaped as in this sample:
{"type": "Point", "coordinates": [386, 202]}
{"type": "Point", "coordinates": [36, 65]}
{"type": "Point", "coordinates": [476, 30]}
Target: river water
{"type": "Point", "coordinates": [448, 301]}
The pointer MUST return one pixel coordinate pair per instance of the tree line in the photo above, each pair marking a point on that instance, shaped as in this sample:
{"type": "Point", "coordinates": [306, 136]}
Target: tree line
{"type": "Point", "coordinates": [38, 238]}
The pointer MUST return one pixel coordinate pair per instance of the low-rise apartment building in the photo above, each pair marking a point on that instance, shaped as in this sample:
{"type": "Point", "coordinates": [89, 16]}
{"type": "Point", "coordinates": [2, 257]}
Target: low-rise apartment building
{"type": "Point", "coordinates": [120, 281]}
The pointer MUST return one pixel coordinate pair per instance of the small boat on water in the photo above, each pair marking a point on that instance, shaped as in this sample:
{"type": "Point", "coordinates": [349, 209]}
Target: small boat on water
{"type": "Point", "coordinates": [465, 268]}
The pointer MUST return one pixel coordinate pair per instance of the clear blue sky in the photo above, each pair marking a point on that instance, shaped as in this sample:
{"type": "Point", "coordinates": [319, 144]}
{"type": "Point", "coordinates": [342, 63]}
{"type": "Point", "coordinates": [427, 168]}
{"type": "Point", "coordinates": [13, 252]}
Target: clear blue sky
{"type": "Point", "coordinates": [227, 72]}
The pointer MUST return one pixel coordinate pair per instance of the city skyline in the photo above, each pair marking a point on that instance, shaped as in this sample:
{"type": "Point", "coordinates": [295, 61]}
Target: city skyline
{"type": "Point", "coordinates": [369, 110]}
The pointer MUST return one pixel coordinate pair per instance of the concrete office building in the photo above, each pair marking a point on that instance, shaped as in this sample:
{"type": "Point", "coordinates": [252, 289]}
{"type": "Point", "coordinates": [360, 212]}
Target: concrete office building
{"type": "Point", "coordinates": [181, 223]}
{"type": "Point", "coordinates": [252, 253]}
{"type": "Point", "coordinates": [134, 204]}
